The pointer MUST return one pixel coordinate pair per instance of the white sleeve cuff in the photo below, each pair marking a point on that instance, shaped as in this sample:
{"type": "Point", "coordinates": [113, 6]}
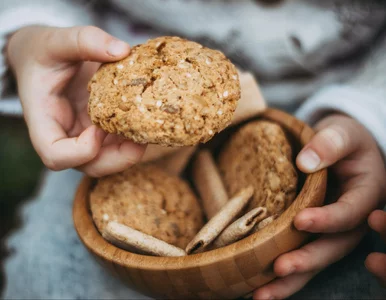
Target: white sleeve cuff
{"type": "Point", "coordinates": [368, 109]}
{"type": "Point", "coordinates": [11, 106]}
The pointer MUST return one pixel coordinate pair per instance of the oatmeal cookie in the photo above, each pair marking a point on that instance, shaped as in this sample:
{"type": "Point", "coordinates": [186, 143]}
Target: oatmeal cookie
{"type": "Point", "coordinates": [168, 91]}
{"type": "Point", "coordinates": [149, 200]}
{"type": "Point", "coordinates": [259, 154]}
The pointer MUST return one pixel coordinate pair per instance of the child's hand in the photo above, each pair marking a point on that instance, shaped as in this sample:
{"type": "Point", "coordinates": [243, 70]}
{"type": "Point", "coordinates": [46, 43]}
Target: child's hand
{"type": "Point", "coordinates": [51, 68]}
{"type": "Point", "coordinates": [376, 262]}
{"type": "Point", "coordinates": [348, 147]}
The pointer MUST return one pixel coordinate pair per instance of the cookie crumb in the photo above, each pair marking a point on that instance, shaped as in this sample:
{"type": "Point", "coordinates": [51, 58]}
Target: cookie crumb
{"type": "Point", "coordinates": [115, 81]}
{"type": "Point", "coordinates": [124, 98]}
{"type": "Point", "coordinates": [131, 62]}
{"type": "Point", "coordinates": [158, 103]}
{"type": "Point", "coordinates": [120, 67]}
{"type": "Point", "coordinates": [210, 131]}
{"type": "Point", "coordinates": [182, 65]}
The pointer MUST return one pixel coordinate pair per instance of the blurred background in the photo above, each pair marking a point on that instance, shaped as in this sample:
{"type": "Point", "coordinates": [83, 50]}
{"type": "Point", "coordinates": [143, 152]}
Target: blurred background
{"type": "Point", "coordinates": [20, 172]}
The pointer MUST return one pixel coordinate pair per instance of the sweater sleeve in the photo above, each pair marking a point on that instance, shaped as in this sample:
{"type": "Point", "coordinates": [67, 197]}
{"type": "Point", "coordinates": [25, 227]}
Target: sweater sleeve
{"type": "Point", "coordinates": [15, 14]}
{"type": "Point", "coordinates": [363, 97]}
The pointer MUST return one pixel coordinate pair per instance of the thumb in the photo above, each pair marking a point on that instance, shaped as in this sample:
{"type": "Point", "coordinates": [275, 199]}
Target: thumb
{"type": "Point", "coordinates": [85, 43]}
{"type": "Point", "coordinates": [332, 143]}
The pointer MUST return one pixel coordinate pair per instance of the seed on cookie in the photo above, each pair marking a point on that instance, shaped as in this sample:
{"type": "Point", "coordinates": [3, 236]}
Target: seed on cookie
{"type": "Point", "coordinates": [172, 109]}
{"type": "Point", "coordinates": [189, 78]}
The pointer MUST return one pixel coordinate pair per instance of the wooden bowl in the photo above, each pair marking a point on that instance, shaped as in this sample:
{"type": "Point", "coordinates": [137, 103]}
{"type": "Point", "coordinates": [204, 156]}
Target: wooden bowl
{"type": "Point", "coordinates": [224, 273]}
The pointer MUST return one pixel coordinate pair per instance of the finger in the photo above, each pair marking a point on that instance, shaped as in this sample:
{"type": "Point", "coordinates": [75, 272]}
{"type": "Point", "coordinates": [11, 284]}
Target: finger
{"type": "Point", "coordinates": [328, 146]}
{"type": "Point", "coordinates": [347, 213]}
{"type": "Point", "coordinates": [85, 43]}
{"type": "Point", "coordinates": [113, 139]}
{"type": "Point", "coordinates": [59, 152]}
{"type": "Point", "coordinates": [319, 254]}
{"type": "Point", "coordinates": [377, 221]}
{"type": "Point", "coordinates": [376, 264]}
{"type": "Point", "coordinates": [114, 158]}
{"type": "Point", "coordinates": [283, 287]}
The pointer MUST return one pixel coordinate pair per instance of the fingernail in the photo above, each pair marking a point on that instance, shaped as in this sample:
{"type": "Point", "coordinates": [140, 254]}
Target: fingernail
{"type": "Point", "coordinates": [309, 160]}
{"type": "Point", "coordinates": [289, 271]}
{"type": "Point", "coordinates": [305, 225]}
{"type": "Point", "coordinates": [117, 48]}
{"type": "Point", "coordinates": [135, 151]}
{"type": "Point", "coordinates": [265, 297]}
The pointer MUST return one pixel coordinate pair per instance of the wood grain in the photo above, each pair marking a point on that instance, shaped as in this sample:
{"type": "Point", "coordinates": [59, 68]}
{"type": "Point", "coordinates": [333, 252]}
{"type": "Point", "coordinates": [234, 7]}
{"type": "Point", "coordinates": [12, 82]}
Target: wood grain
{"type": "Point", "coordinates": [226, 273]}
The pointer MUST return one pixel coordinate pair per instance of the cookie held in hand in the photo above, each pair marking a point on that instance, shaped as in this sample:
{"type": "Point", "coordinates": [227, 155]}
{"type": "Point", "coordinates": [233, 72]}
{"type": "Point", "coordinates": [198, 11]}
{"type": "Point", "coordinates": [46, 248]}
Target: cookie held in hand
{"type": "Point", "coordinates": [168, 91]}
{"type": "Point", "coordinates": [259, 154]}
{"type": "Point", "coordinates": [149, 200]}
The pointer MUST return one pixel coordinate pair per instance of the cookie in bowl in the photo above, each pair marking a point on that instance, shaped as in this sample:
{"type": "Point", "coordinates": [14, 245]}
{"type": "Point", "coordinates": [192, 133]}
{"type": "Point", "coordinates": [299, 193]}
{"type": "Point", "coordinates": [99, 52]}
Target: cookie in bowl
{"type": "Point", "coordinates": [260, 154]}
{"type": "Point", "coordinates": [149, 200]}
{"type": "Point", "coordinates": [234, 268]}
{"type": "Point", "coordinates": [168, 91]}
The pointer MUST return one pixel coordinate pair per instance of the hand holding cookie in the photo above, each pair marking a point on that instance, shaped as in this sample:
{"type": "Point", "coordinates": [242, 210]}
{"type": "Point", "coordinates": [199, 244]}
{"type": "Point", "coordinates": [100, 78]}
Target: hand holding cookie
{"type": "Point", "coordinates": [52, 69]}
{"type": "Point", "coordinates": [354, 157]}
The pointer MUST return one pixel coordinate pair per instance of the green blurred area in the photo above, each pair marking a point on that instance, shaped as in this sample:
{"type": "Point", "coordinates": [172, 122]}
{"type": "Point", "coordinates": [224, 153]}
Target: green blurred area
{"type": "Point", "coordinates": [20, 165]}
{"type": "Point", "coordinates": [20, 170]}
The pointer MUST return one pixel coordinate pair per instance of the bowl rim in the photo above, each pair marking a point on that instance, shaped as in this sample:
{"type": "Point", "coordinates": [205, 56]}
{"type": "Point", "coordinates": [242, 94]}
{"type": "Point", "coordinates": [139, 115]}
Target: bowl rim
{"type": "Point", "coordinates": [96, 244]}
